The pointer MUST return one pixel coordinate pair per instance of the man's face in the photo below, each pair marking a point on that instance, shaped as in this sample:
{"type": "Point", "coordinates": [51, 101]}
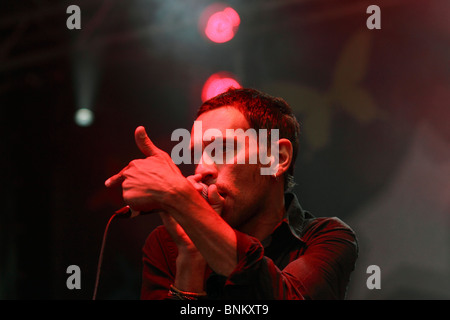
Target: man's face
{"type": "Point", "coordinates": [242, 186]}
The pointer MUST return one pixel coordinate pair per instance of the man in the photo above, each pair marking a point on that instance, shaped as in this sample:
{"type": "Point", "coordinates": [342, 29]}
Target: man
{"type": "Point", "coordinates": [250, 239]}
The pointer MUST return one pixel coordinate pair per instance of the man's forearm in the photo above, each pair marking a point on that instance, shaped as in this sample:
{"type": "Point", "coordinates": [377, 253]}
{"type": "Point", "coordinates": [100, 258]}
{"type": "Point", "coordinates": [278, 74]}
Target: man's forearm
{"type": "Point", "coordinates": [213, 237]}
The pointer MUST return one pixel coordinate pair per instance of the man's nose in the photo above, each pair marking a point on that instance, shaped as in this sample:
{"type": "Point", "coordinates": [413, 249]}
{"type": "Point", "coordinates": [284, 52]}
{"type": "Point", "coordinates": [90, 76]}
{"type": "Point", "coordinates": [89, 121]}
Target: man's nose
{"type": "Point", "coordinates": [208, 169]}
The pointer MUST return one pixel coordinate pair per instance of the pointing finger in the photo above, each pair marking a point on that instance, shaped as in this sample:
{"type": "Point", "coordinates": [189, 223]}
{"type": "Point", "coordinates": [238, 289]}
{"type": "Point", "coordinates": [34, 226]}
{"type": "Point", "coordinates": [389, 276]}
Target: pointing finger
{"type": "Point", "coordinates": [115, 179]}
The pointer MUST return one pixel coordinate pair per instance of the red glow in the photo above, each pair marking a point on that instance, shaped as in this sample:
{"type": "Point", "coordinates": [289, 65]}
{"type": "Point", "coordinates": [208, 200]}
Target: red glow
{"type": "Point", "coordinates": [222, 25]}
{"type": "Point", "coordinates": [217, 84]}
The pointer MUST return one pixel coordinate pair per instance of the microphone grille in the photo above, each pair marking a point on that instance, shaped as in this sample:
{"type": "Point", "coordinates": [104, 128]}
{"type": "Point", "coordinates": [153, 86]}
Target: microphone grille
{"type": "Point", "coordinates": [204, 191]}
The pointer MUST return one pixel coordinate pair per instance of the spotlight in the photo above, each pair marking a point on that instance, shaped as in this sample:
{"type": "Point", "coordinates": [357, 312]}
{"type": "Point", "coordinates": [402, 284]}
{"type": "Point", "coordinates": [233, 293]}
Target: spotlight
{"type": "Point", "coordinates": [219, 23]}
{"type": "Point", "coordinates": [85, 72]}
{"type": "Point", "coordinates": [84, 117]}
{"type": "Point", "coordinates": [217, 84]}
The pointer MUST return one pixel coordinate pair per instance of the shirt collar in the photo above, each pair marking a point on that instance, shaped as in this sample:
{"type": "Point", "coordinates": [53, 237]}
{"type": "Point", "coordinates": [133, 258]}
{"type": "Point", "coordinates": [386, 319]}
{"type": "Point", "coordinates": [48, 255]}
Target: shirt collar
{"type": "Point", "coordinates": [293, 219]}
{"type": "Point", "coordinates": [295, 215]}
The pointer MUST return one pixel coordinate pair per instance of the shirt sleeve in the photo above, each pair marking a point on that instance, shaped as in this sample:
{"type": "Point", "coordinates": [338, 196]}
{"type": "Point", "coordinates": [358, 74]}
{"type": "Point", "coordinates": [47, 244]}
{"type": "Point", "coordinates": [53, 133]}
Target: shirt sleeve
{"type": "Point", "coordinates": [158, 273]}
{"type": "Point", "coordinates": [320, 271]}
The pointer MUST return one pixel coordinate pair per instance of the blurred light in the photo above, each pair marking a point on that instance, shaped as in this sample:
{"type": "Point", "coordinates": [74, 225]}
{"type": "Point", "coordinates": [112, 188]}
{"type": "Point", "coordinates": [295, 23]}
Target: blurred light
{"type": "Point", "coordinates": [218, 83]}
{"type": "Point", "coordinates": [219, 23]}
{"type": "Point", "coordinates": [84, 117]}
{"type": "Point", "coordinates": [85, 72]}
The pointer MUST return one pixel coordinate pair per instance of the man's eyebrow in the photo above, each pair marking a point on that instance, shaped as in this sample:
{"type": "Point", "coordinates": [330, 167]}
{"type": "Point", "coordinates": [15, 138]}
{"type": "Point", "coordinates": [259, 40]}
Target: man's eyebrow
{"type": "Point", "coordinates": [206, 143]}
{"type": "Point", "coordinates": [213, 138]}
{"type": "Point", "coordinates": [225, 138]}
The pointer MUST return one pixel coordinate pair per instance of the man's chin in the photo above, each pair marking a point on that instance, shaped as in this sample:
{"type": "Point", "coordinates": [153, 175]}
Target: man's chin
{"type": "Point", "coordinates": [227, 215]}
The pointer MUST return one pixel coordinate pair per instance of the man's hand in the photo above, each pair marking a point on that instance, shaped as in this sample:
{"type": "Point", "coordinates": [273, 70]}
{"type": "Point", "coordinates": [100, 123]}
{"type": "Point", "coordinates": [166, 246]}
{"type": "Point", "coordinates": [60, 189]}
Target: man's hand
{"type": "Point", "coordinates": [156, 183]}
{"type": "Point", "coordinates": [146, 182]}
{"type": "Point", "coordinates": [190, 263]}
{"type": "Point", "coordinates": [184, 244]}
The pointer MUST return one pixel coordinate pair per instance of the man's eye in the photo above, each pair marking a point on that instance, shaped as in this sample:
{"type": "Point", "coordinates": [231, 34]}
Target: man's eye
{"type": "Point", "coordinates": [195, 157]}
{"type": "Point", "coordinates": [228, 147]}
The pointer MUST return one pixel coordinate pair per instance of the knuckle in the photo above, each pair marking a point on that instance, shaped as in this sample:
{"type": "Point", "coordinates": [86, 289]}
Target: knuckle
{"type": "Point", "coordinates": [127, 196]}
{"type": "Point", "coordinates": [125, 174]}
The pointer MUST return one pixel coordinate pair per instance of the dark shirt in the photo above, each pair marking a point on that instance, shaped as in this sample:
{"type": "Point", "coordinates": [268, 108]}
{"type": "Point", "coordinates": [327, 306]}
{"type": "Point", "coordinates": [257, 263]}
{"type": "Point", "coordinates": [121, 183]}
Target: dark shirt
{"type": "Point", "coordinates": [304, 258]}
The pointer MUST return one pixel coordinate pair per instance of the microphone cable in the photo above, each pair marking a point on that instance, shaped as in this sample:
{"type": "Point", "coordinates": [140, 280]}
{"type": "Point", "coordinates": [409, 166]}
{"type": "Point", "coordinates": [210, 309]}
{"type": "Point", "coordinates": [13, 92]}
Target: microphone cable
{"type": "Point", "coordinates": [119, 212]}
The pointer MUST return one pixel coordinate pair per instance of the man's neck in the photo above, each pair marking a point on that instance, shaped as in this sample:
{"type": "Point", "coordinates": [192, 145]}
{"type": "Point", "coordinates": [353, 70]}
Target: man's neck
{"type": "Point", "coordinates": [263, 224]}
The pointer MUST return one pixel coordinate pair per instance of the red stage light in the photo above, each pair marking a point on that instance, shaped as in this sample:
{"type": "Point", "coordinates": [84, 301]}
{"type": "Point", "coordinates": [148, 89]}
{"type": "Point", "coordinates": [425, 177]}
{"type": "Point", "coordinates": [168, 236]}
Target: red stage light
{"type": "Point", "coordinates": [217, 84]}
{"type": "Point", "coordinates": [221, 26]}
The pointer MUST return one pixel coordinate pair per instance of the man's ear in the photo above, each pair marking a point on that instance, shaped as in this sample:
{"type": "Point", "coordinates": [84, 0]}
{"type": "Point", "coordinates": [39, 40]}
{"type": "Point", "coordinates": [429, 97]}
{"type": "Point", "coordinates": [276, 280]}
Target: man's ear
{"type": "Point", "coordinates": [285, 151]}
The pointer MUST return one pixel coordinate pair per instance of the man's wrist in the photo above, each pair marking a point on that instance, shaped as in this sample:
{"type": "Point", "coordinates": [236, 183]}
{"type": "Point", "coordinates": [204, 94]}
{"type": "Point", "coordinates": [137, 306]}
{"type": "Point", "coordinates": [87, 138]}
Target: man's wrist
{"type": "Point", "coordinates": [190, 272]}
{"type": "Point", "coordinates": [178, 294]}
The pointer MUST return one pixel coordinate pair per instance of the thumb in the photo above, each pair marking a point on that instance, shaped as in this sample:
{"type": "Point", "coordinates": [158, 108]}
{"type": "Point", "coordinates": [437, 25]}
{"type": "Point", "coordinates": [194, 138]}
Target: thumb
{"type": "Point", "coordinates": [215, 199]}
{"type": "Point", "coordinates": [144, 143]}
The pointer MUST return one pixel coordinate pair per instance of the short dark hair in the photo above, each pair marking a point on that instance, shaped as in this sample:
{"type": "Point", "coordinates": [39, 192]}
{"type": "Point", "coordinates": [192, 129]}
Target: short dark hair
{"type": "Point", "coordinates": [262, 111]}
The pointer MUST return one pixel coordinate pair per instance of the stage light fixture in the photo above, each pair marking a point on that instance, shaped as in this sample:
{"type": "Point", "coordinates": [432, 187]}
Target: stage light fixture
{"type": "Point", "coordinates": [218, 83]}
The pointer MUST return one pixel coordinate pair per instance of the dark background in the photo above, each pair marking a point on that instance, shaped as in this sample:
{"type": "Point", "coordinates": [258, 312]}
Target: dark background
{"type": "Point", "coordinates": [373, 104]}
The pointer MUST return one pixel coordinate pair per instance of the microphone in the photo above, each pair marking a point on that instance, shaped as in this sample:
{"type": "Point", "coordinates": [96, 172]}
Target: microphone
{"type": "Point", "coordinates": [127, 212]}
